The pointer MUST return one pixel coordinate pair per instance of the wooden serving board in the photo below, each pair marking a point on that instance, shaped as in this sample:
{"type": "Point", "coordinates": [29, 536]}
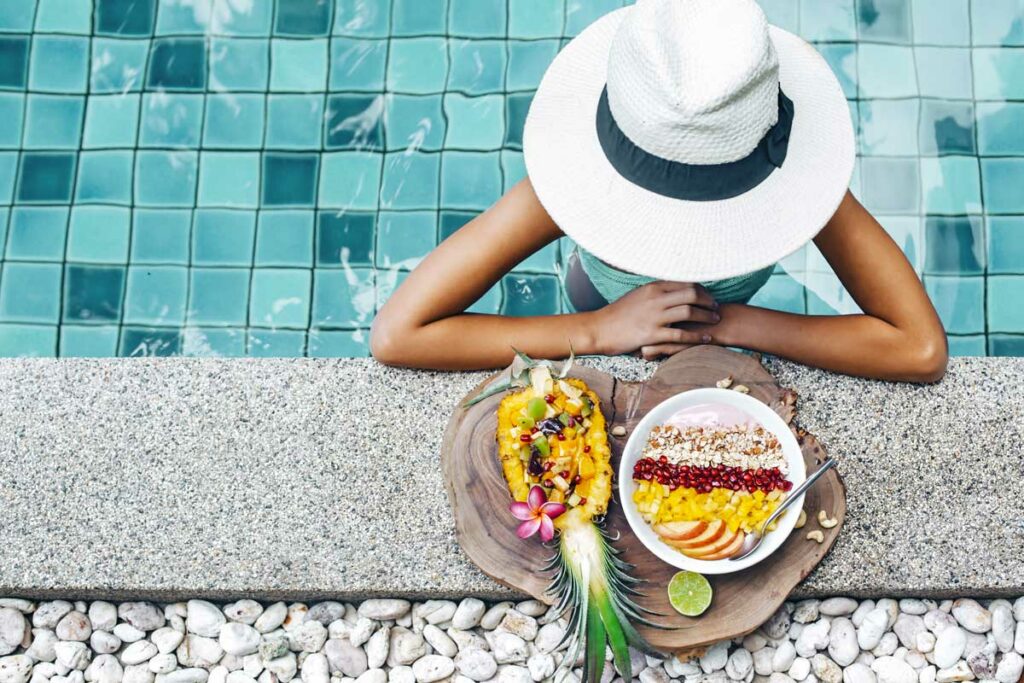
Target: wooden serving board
{"type": "Point", "coordinates": [742, 600]}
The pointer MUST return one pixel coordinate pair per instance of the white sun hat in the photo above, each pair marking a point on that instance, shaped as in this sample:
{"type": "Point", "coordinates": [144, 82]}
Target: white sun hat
{"type": "Point", "coordinates": [689, 140]}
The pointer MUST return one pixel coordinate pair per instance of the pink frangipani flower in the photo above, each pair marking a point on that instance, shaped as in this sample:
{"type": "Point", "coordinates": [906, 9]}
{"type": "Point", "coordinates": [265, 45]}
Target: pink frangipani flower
{"type": "Point", "coordinates": [536, 515]}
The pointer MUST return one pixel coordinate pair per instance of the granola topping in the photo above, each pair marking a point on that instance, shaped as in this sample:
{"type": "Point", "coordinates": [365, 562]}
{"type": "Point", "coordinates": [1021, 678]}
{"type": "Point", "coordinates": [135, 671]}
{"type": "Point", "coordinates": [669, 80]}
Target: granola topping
{"type": "Point", "coordinates": [748, 447]}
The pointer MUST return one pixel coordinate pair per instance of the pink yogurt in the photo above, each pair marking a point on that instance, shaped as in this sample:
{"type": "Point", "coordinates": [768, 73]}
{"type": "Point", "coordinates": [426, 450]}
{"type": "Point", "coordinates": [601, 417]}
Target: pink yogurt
{"type": "Point", "coordinates": [710, 414]}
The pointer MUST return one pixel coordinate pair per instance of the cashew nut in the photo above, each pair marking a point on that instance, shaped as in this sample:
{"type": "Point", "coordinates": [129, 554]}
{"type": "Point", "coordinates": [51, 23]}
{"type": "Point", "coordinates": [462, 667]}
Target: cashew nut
{"type": "Point", "coordinates": [618, 430]}
{"type": "Point", "coordinates": [724, 383]}
{"type": "Point", "coordinates": [816, 535]}
{"type": "Point", "coordinates": [824, 521]}
{"type": "Point", "coordinates": [742, 388]}
{"type": "Point", "coordinates": [801, 520]}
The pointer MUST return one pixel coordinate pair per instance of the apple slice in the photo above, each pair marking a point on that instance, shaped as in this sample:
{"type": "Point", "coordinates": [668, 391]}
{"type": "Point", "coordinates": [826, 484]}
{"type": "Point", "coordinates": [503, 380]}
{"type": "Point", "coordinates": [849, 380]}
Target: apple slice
{"type": "Point", "coordinates": [680, 531]}
{"type": "Point", "coordinates": [710, 535]}
{"type": "Point", "coordinates": [729, 550]}
{"type": "Point", "coordinates": [716, 546]}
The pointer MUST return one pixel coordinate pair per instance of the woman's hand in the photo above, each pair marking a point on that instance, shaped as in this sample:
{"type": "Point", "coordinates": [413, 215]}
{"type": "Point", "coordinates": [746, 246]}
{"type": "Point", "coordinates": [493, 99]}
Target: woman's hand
{"type": "Point", "coordinates": [653, 320]}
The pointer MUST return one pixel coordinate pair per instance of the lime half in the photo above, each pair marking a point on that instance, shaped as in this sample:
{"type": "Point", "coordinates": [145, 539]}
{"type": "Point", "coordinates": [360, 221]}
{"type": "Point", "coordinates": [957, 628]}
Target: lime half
{"type": "Point", "coordinates": [690, 593]}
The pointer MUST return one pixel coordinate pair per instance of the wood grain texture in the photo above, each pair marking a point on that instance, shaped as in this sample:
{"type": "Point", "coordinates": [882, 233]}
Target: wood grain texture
{"type": "Point", "coordinates": [742, 602]}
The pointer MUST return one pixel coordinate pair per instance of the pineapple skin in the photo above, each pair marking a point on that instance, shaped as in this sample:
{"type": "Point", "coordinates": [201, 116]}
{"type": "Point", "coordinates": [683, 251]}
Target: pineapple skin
{"type": "Point", "coordinates": [600, 486]}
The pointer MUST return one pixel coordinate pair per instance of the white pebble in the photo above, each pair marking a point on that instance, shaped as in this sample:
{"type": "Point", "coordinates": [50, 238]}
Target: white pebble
{"type": "Point", "coordinates": [739, 664]}
{"type": "Point", "coordinates": [814, 637]}
{"type": "Point", "coordinates": [494, 615]}
{"type": "Point", "coordinates": [139, 652]}
{"type": "Point", "coordinates": [520, 624]}
{"type": "Point", "coordinates": [345, 658]}
{"type": "Point", "coordinates": [440, 641]}
{"type": "Point", "coordinates": [218, 674]}
{"type": "Point", "coordinates": [763, 661]}
{"type": "Point", "coordinates": [715, 657]}
{"type": "Point", "coordinates": [925, 642]}
{"type": "Point", "coordinates": [1011, 666]}
{"type": "Point", "coordinates": [15, 668]}
{"type": "Point", "coordinates": [800, 669]}
{"type": "Point", "coordinates": [1002, 625]}
{"type": "Point", "coordinates": [315, 668]}
{"type": "Point", "coordinates": [377, 648]}
{"type": "Point", "coordinates": [243, 611]}
{"type": "Point", "coordinates": [283, 667]}
{"type": "Point", "coordinates": [166, 639]}
{"type": "Point", "coordinates": [913, 606]}
{"type": "Point", "coordinates": [858, 673]}
{"type": "Point", "coordinates": [972, 616]}
{"type": "Point", "coordinates": [163, 663]}
{"type": "Point", "coordinates": [383, 609]}
{"type": "Point", "coordinates": [373, 676]}
{"type": "Point", "coordinates": [432, 668]}
{"type": "Point", "coordinates": [74, 626]}
{"type": "Point", "coordinates": [192, 675]}
{"type": "Point", "coordinates": [204, 618]}
{"type": "Point", "coordinates": [401, 674]}
{"type": "Point", "coordinates": [240, 677]}
{"type": "Point", "coordinates": [958, 672]}
{"type": "Point", "coordinates": [142, 615]}
{"type": "Point", "coordinates": [1018, 639]}
{"type": "Point", "coordinates": [239, 639]}
{"type": "Point", "coordinates": [73, 655]}
{"type": "Point", "coordinates": [784, 656]}
{"type": "Point", "coordinates": [296, 616]}
{"type": "Point", "coordinates": [199, 651]}
{"type": "Point", "coordinates": [532, 608]}
{"type": "Point", "coordinates": [892, 670]}
{"type": "Point", "coordinates": [468, 614]}
{"type": "Point", "coordinates": [104, 669]}
{"type": "Point", "coordinates": [49, 613]}
{"type": "Point", "coordinates": [949, 647]}
{"type": "Point", "coordinates": [138, 673]}
{"type": "Point", "coordinates": [887, 645]}
{"type": "Point", "coordinates": [128, 633]}
{"type": "Point", "coordinates": [271, 618]}
{"type": "Point", "coordinates": [927, 674]}
{"type": "Point", "coordinates": [842, 646]}
{"type": "Point", "coordinates": [891, 608]}
{"type": "Point", "coordinates": [509, 648]}
{"type": "Point", "coordinates": [43, 642]}
{"type": "Point", "coordinates": [862, 611]}
{"type": "Point", "coordinates": [102, 616]}
{"type": "Point", "coordinates": [825, 670]}
{"type": "Point", "coordinates": [476, 664]}
{"type": "Point", "coordinates": [837, 607]}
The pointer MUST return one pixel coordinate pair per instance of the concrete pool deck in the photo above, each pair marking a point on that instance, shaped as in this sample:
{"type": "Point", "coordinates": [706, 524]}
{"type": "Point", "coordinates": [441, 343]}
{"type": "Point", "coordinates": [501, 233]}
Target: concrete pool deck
{"type": "Point", "coordinates": [169, 478]}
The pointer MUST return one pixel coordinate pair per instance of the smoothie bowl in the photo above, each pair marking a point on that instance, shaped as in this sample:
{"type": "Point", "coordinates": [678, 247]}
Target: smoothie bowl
{"type": "Point", "coordinates": [703, 470]}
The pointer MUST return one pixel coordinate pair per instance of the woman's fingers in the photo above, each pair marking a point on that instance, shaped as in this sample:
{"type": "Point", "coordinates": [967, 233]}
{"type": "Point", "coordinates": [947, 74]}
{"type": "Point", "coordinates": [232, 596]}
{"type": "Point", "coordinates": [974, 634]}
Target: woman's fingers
{"type": "Point", "coordinates": [685, 313]}
{"type": "Point", "coordinates": [678, 293]}
{"type": "Point", "coordinates": [674, 335]}
{"type": "Point", "coordinates": [656, 351]}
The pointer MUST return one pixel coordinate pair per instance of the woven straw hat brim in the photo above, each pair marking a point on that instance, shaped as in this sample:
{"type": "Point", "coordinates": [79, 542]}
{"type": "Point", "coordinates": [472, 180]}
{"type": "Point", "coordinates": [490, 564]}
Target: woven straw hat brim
{"type": "Point", "coordinates": [640, 231]}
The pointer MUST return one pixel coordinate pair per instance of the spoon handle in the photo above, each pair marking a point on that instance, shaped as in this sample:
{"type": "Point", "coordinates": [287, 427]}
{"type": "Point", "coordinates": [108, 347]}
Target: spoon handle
{"type": "Point", "coordinates": [797, 492]}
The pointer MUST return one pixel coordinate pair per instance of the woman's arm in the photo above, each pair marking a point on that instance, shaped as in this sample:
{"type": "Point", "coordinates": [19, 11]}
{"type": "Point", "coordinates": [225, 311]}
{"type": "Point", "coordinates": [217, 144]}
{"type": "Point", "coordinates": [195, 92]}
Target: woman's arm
{"type": "Point", "coordinates": [899, 335]}
{"type": "Point", "coordinates": [423, 323]}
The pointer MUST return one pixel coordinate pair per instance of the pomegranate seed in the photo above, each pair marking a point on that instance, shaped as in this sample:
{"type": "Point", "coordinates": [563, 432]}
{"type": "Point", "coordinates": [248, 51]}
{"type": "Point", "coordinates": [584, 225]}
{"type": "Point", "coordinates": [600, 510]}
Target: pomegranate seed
{"type": "Point", "coordinates": [561, 436]}
{"type": "Point", "coordinates": [564, 474]}
{"type": "Point", "coordinates": [525, 438]}
{"type": "Point", "coordinates": [548, 465]}
{"type": "Point", "coordinates": [586, 449]}
{"type": "Point", "coordinates": [550, 398]}
{"type": "Point", "coordinates": [583, 501]}
{"type": "Point", "coordinates": [547, 483]}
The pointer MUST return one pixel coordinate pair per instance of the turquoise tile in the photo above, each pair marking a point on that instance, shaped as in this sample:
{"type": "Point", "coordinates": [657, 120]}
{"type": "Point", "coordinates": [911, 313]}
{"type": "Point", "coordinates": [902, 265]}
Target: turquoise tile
{"type": "Point", "coordinates": [513, 168]}
{"type": "Point", "coordinates": [99, 234]}
{"type": "Point", "coordinates": [1005, 293]}
{"type": "Point", "coordinates": [339, 343]}
{"type": "Point", "coordinates": [475, 123]}
{"type": "Point", "coordinates": [171, 120]}
{"type": "Point", "coordinates": [8, 173]}
{"type": "Point", "coordinates": [490, 303]}
{"type": "Point", "coordinates": [200, 342]}
{"type": "Point", "coordinates": [410, 180]}
{"type": "Point", "coordinates": [1001, 183]}
{"type": "Point", "coordinates": [218, 296]}
{"type": "Point", "coordinates": [289, 179]}
{"type": "Point", "coordinates": [59, 64]}
{"type": "Point", "coordinates": [223, 238]}
{"type": "Point", "coordinates": [285, 238]}
{"type": "Point", "coordinates": [888, 127]}
{"type": "Point", "coordinates": [165, 178]}
{"type": "Point", "coordinates": [350, 180]}
{"type": "Point", "coordinates": [345, 239]}
{"type": "Point", "coordinates": [478, 18]}
{"type": "Point", "coordinates": [16, 16]}
{"type": "Point", "coordinates": [886, 71]}
{"type": "Point", "coordinates": [184, 17]}
{"type": "Point", "coordinates": [239, 64]}
{"type": "Point", "coordinates": [104, 177]}
{"type": "Point", "coordinates": [87, 341]}
{"type": "Point", "coordinates": [14, 52]}
{"type": "Point", "coordinates": [941, 22]}
{"type": "Point", "coordinates": [959, 301]}
{"type": "Point", "coordinates": [118, 66]}
{"type": "Point", "coordinates": [358, 65]}
{"type": "Point", "coordinates": [536, 18]}
{"type": "Point", "coordinates": [388, 281]}
{"type": "Point", "coordinates": [450, 221]}
{"type": "Point", "coordinates": [1005, 244]}
{"type": "Point", "coordinates": [828, 20]}
{"type": "Point", "coordinates": [470, 180]}
{"type": "Point", "coordinates": [12, 108]}
{"type": "Point", "coordinates": [579, 15]}
{"type": "Point", "coordinates": [45, 177]}
{"type": "Point", "coordinates": [418, 17]}
{"type": "Point", "coordinates": [906, 231]}
{"type": "Point", "coordinates": [946, 127]}
{"type": "Point", "coordinates": [891, 185]}
{"type": "Point", "coordinates": [969, 345]}
{"type": "Point", "coordinates": [177, 64]}
{"type": "Point", "coordinates": [955, 245]}
{"type": "Point", "coordinates": [234, 121]}
{"type": "Point", "coordinates": [144, 342]}
{"type": "Point", "coordinates": [997, 22]}
{"type": "Point", "coordinates": [544, 260]}
{"type": "Point", "coordinates": [516, 108]}
{"type": "Point", "coordinates": [28, 340]}
{"type": "Point", "coordinates": [529, 295]}
{"type": "Point", "coordinates": [303, 18]}
{"type": "Point", "coordinates": [298, 65]}
{"type": "Point", "coordinates": [998, 73]}
{"type": "Point", "coordinates": [527, 62]}
{"type": "Point", "coordinates": [4, 214]}
{"type": "Point", "coordinates": [417, 65]}
{"type": "Point", "coordinates": [156, 295]}
{"type": "Point", "coordinates": [886, 21]}
{"type": "Point", "coordinates": [354, 122]}
{"type": "Point", "coordinates": [343, 298]}
{"type": "Point", "coordinates": [30, 293]}
{"type": "Point", "coordinates": [842, 58]}
{"type": "Point", "coordinates": [951, 184]}
{"type": "Point", "coordinates": [1006, 345]}
{"type": "Point", "coordinates": [294, 121]}
{"type": "Point", "coordinates": [244, 19]}
{"type": "Point", "coordinates": [161, 236]}
{"type": "Point", "coordinates": [404, 238]}
{"type": "Point", "coordinates": [37, 233]}
{"type": "Point", "coordinates": [478, 66]}
{"type": "Point", "coordinates": [781, 293]}
{"type": "Point", "coordinates": [111, 121]}
{"type": "Point", "coordinates": [414, 122]}
{"type": "Point", "coordinates": [782, 13]}
{"type": "Point", "coordinates": [361, 18]}
{"type": "Point", "coordinates": [944, 72]}
{"type": "Point", "coordinates": [276, 343]}
{"type": "Point", "coordinates": [125, 17]}
{"type": "Point", "coordinates": [53, 122]}
{"type": "Point", "coordinates": [229, 179]}
{"type": "Point", "coordinates": [93, 293]}
{"type": "Point", "coordinates": [1000, 129]}
{"type": "Point", "coordinates": [280, 298]}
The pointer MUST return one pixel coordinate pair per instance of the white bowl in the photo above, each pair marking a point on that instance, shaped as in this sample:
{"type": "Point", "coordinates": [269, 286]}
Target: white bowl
{"type": "Point", "coordinates": [659, 415]}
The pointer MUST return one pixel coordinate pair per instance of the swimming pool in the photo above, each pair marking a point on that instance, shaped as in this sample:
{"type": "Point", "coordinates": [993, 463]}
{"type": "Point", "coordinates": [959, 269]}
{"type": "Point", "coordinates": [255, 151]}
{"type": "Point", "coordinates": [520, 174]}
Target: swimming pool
{"type": "Point", "coordinates": [250, 177]}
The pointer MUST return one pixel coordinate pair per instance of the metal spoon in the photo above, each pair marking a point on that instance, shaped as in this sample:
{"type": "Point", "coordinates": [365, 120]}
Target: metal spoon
{"type": "Point", "coordinates": [749, 545]}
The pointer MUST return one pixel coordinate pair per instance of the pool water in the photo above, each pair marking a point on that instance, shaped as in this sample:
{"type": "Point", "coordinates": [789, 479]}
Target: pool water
{"type": "Point", "coordinates": [249, 177]}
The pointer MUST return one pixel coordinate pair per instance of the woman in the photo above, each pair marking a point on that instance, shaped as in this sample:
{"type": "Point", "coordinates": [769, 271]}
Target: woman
{"type": "Point", "coordinates": [686, 146]}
